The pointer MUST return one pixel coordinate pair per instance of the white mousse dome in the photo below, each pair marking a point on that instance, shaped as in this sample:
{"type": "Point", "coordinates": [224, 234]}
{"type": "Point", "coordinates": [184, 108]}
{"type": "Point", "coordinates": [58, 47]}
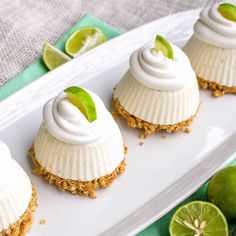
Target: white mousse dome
{"type": "Point", "coordinates": [212, 48]}
{"type": "Point", "coordinates": [157, 89]}
{"type": "Point", "coordinates": [15, 189]}
{"type": "Point", "coordinates": [69, 146]}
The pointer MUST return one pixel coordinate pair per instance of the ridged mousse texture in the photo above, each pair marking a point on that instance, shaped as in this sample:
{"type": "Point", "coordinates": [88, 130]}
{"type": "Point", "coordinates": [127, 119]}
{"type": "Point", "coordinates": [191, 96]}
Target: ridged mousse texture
{"type": "Point", "coordinates": [157, 90]}
{"type": "Point", "coordinates": [17, 199]}
{"type": "Point", "coordinates": [71, 148]}
{"type": "Point", "coordinates": [212, 51]}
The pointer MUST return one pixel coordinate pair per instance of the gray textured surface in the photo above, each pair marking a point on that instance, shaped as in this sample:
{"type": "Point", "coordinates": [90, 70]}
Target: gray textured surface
{"type": "Point", "coordinates": [26, 24]}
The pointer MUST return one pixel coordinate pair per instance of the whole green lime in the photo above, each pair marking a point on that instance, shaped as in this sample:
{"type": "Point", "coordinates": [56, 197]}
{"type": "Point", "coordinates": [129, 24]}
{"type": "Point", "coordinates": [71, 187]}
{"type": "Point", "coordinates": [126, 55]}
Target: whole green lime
{"type": "Point", "coordinates": [221, 191]}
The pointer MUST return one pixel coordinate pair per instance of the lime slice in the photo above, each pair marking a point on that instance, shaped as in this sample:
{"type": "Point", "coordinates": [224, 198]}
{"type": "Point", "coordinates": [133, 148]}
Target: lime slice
{"type": "Point", "coordinates": [83, 101]}
{"type": "Point", "coordinates": [162, 45]}
{"type": "Point", "coordinates": [53, 57]}
{"type": "Point", "coordinates": [228, 11]}
{"type": "Point", "coordinates": [198, 218]}
{"type": "Point", "coordinates": [83, 40]}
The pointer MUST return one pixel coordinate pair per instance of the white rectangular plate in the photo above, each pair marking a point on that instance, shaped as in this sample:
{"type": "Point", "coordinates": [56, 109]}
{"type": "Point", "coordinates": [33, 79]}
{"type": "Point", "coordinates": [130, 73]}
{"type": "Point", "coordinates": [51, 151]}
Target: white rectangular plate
{"type": "Point", "coordinates": [159, 175]}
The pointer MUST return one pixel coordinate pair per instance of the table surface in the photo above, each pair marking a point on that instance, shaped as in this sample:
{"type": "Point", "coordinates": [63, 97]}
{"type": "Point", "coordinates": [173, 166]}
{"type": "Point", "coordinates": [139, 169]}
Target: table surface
{"type": "Point", "coordinates": [26, 25]}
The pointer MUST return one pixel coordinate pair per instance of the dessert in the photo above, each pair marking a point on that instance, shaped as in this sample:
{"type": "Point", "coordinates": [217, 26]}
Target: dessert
{"type": "Point", "coordinates": [159, 91]}
{"type": "Point", "coordinates": [79, 147]}
{"type": "Point", "coordinates": [212, 49]}
{"type": "Point", "coordinates": [17, 196]}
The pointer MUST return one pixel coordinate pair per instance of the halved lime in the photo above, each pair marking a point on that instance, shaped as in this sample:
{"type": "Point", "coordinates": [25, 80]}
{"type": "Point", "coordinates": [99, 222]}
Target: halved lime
{"type": "Point", "coordinates": [83, 40]}
{"type": "Point", "coordinates": [162, 45]}
{"type": "Point", "coordinates": [53, 57]}
{"type": "Point", "coordinates": [83, 101]}
{"type": "Point", "coordinates": [228, 11]}
{"type": "Point", "coordinates": [198, 218]}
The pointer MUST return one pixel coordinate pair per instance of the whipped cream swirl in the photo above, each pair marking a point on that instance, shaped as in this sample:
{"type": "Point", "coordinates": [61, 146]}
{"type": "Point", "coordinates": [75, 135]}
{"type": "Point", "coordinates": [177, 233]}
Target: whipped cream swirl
{"type": "Point", "coordinates": [68, 124]}
{"type": "Point", "coordinates": [158, 72]}
{"type": "Point", "coordinates": [214, 29]}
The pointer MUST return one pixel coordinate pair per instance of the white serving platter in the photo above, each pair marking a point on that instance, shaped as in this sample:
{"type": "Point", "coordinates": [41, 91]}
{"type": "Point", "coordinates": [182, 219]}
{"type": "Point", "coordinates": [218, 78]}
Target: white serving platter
{"type": "Point", "coordinates": [159, 174]}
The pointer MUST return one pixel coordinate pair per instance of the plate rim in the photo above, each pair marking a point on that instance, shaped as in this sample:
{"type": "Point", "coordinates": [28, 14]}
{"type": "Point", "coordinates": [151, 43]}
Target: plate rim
{"type": "Point", "coordinates": [143, 217]}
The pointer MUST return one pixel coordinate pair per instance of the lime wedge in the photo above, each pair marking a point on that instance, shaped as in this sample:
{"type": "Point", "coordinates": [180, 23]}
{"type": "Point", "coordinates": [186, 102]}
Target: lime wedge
{"type": "Point", "coordinates": [83, 40]}
{"type": "Point", "coordinates": [228, 11]}
{"type": "Point", "coordinates": [198, 218]}
{"type": "Point", "coordinates": [53, 57]}
{"type": "Point", "coordinates": [162, 45]}
{"type": "Point", "coordinates": [83, 101]}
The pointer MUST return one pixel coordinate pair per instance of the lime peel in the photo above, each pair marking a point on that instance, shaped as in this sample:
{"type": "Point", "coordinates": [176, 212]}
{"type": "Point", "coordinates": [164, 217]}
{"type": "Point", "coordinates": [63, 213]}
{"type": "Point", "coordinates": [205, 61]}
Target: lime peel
{"type": "Point", "coordinates": [163, 46]}
{"type": "Point", "coordinates": [228, 11]}
{"type": "Point", "coordinates": [80, 98]}
{"type": "Point", "coordinates": [83, 40]}
{"type": "Point", "coordinates": [53, 57]}
{"type": "Point", "coordinates": [198, 218]}
{"type": "Point", "coordinates": [221, 191]}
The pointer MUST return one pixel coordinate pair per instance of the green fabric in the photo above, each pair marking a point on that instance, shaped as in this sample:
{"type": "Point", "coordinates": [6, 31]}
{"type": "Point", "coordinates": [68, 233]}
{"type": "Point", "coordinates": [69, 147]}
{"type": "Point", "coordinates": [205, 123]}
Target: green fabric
{"type": "Point", "coordinates": [37, 68]}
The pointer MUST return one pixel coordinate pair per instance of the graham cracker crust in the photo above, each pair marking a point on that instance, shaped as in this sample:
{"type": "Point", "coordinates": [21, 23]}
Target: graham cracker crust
{"type": "Point", "coordinates": [21, 226]}
{"type": "Point", "coordinates": [148, 127]}
{"type": "Point", "coordinates": [217, 89]}
{"type": "Point", "coordinates": [74, 186]}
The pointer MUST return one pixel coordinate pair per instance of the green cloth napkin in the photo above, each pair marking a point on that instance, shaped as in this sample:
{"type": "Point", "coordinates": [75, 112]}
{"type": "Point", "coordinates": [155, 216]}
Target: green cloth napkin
{"type": "Point", "coordinates": [37, 69]}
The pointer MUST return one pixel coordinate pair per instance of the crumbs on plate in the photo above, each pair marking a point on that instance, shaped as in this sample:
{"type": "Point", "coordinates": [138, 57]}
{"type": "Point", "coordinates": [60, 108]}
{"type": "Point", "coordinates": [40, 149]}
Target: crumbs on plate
{"type": "Point", "coordinates": [42, 222]}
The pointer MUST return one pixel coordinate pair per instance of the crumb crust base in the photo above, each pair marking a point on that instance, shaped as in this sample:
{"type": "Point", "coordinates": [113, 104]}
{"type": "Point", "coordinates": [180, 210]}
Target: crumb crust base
{"type": "Point", "coordinates": [218, 90]}
{"type": "Point", "coordinates": [148, 127]}
{"type": "Point", "coordinates": [23, 225]}
{"type": "Point", "coordinates": [77, 187]}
